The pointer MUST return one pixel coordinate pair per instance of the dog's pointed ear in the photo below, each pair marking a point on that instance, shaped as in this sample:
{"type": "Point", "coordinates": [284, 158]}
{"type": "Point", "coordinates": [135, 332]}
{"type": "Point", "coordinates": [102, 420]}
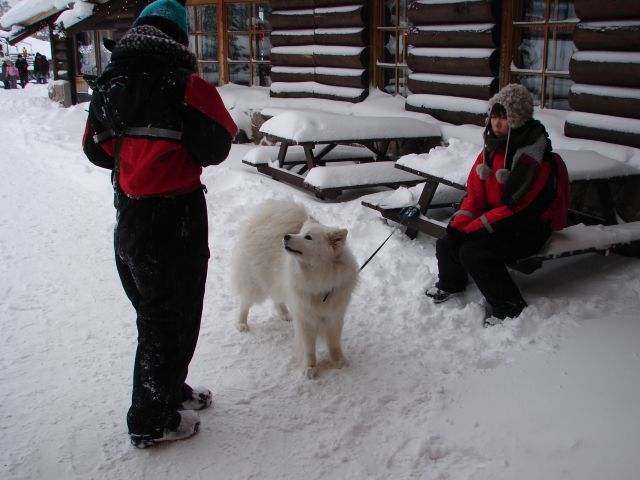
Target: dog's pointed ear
{"type": "Point", "coordinates": [337, 238]}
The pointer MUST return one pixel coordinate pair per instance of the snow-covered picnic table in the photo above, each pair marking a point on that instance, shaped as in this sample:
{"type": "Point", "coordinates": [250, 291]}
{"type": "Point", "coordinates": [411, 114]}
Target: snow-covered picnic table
{"type": "Point", "coordinates": [328, 152]}
{"type": "Point", "coordinates": [449, 167]}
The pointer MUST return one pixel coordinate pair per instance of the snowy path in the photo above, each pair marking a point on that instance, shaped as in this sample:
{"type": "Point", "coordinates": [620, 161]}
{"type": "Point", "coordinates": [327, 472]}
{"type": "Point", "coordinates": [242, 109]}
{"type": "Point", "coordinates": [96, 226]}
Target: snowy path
{"type": "Point", "coordinates": [428, 393]}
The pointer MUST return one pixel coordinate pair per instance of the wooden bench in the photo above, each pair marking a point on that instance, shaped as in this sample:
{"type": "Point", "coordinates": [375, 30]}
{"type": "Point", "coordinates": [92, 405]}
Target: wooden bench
{"type": "Point", "coordinates": [583, 166]}
{"type": "Point", "coordinates": [318, 140]}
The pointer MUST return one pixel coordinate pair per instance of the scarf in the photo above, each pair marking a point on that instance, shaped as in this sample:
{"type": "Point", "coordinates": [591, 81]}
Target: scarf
{"type": "Point", "coordinates": [146, 40]}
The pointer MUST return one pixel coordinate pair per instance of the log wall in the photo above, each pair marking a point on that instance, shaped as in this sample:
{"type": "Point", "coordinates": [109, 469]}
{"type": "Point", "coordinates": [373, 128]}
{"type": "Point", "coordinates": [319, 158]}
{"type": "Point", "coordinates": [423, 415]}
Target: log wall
{"type": "Point", "coordinates": [320, 49]}
{"type": "Point", "coordinates": [454, 53]}
{"type": "Point", "coordinates": [606, 71]}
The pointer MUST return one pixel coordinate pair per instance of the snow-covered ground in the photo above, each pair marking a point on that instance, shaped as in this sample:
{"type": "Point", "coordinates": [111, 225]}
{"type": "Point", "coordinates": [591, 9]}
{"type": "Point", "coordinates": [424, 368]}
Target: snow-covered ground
{"type": "Point", "coordinates": [428, 393]}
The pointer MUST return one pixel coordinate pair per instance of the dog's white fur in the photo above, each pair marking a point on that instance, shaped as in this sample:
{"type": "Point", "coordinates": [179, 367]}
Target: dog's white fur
{"type": "Point", "coordinates": [304, 267]}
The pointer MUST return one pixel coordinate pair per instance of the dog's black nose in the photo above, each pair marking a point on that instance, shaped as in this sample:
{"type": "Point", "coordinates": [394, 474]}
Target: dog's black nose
{"type": "Point", "coordinates": [287, 237]}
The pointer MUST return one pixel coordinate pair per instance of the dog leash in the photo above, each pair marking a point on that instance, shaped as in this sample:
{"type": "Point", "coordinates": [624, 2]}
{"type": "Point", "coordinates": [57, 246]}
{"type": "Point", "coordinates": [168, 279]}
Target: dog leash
{"type": "Point", "coordinates": [406, 214]}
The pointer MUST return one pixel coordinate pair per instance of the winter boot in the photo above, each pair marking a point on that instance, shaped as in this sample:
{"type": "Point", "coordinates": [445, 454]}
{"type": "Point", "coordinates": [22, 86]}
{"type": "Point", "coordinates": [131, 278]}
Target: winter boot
{"type": "Point", "coordinates": [437, 295]}
{"type": "Point", "coordinates": [188, 426]}
{"type": "Point", "coordinates": [200, 399]}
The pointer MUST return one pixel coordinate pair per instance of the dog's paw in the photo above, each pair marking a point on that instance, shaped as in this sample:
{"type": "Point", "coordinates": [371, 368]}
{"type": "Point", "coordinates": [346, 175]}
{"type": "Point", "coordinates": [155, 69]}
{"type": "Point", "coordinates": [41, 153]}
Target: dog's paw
{"type": "Point", "coordinates": [340, 363]}
{"type": "Point", "coordinates": [242, 327]}
{"type": "Point", "coordinates": [311, 372]}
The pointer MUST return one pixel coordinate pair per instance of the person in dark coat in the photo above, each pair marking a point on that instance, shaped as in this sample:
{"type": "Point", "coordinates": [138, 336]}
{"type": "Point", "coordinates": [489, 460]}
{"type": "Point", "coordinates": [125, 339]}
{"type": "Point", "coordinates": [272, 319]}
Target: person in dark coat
{"type": "Point", "coordinates": [23, 70]}
{"type": "Point", "coordinates": [155, 123]}
{"type": "Point", "coordinates": [507, 212]}
{"type": "Point", "coordinates": [44, 69]}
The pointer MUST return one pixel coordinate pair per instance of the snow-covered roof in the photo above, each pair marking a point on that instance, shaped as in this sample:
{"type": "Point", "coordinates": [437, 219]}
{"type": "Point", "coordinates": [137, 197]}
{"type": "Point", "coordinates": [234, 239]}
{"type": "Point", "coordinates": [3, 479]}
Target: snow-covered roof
{"type": "Point", "coordinates": [28, 12]}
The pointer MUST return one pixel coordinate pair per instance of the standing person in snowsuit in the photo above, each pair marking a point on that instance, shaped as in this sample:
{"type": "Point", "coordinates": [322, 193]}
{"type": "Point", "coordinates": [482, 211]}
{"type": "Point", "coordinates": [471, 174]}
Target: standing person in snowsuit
{"type": "Point", "coordinates": [156, 123]}
{"type": "Point", "coordinates": [23, 70]}
{"type": "Point", "coordinates": [507, 212]}
{"type": "Point", "coordinates": [44, 70]}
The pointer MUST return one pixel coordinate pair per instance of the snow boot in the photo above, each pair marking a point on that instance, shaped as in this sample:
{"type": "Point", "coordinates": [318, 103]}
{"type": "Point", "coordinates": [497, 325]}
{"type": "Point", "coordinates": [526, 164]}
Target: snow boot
{"type": "Point", "coordinates": [437, 295]}
{"type": "Point", "coordinates": [188, 426]}
{"type": "Point", "coordinates": [201, 398]}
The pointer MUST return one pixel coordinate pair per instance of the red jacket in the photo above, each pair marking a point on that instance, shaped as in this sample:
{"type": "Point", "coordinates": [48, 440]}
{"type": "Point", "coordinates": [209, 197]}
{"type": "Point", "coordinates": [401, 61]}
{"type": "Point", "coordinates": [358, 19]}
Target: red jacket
{"type": "Point", "coordinates": [484, 209]}
{"type": "Point", "coordinates": [171, 120]}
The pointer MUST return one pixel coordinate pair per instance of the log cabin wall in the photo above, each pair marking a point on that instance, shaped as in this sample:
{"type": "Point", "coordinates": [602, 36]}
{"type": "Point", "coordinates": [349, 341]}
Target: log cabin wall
{"type": "Point", "coordinates": [319, 49]}
{"type": "Point", "coordinates": [454, 58]}
{"type": "Point", "coordinates": [606, 70]}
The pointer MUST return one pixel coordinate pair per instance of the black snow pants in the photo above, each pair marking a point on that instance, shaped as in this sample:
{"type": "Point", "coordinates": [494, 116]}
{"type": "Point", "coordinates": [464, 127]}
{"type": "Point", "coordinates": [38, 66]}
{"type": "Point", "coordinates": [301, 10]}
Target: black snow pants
{"type": "Point", "coordinates": [161, 247]}
{"type": "Point", "coordinates": [485, 259]}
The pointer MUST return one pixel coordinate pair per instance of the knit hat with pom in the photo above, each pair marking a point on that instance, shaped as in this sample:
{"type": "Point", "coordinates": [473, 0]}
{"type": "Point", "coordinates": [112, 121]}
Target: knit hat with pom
{"type": "Point", "coordinates": [170, 16]}
{"type": "Point", "coordinates": [518, 103]}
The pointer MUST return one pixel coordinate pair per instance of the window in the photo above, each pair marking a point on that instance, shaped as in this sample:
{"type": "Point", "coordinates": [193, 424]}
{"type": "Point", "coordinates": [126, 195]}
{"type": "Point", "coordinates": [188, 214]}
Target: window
{"type": "Point", "coordinates": [541, 47]}
{"type": "Point", "coordinates": [392, 56]}
{"type": "Point", "coordinates": [248, 43]}
{"type": "Point", "coordinates": [93, 57]}
{"type": "Point", "coordinates": [203, 40]}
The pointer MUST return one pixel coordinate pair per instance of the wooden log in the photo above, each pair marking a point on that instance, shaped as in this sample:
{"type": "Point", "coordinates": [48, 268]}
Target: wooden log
{"type": "Point", "coordinates": [340, 17]}
{"type": "Point", "coordinates": [606, 100]}
{"type": "Point", "coordinates": [456, 118]}
{"type": "Point", "coordinates": [482, 91]}
{"type": "Point", "coordinates": [349, 36]}
{"type": "Point", "coordinates": [281, 38]}
{"type": "Point", "coordinates": [619, 72]}
{"type": "Point", "coordinates": [455, 12]}
{"type": "Point", "coordinates": [478, 35]}
{"type": "Point", "coordinates": [292, 74]}
{"type": "Point", "coordinates": [610, 136]}
{"type": "Point", "coordinates": [342, 61]}
{"type": "Point", "coordinates": [611, 9]}
{"type": "Point", "coordinates": [437, 63]}
{"type": "Point", "coordinates": [292, 19]}
{"type": "Point", "coordinates": [325, 76]}
{"type": "Point", "coordinates": [335, 3]}
{"type": "Point", "coordinates": [605, 36]}
{"type": "Point", "coordinates": [293, 60]}
{"type": "Point", "coordinates": [291, 4]}
{"type": "Point", "coordinates": [357, 99]}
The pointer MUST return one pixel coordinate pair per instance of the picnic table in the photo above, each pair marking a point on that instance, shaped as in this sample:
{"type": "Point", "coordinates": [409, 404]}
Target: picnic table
{"type": "Point", "coordinates": [449, 167]}
{"type": "Point", "coordinates": [350, 151]}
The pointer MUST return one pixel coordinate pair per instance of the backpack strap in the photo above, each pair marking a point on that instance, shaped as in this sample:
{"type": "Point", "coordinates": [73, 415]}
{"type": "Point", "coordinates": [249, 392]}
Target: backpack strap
{"type": "Point", "coordinates": [115, 176]}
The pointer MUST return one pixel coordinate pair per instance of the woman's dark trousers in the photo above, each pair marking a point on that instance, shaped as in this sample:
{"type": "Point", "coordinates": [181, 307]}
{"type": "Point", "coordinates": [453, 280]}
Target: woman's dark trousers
{"type": "Point", "coordinates": [485, 259]}
{"type": "Point", "coordinates": [161, 246]}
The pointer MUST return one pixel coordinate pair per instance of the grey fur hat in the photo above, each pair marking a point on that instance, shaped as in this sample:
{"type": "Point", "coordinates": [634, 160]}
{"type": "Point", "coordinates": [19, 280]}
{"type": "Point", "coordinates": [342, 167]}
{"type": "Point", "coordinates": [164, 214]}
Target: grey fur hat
{"type": "Point", "coordinates": [518, 103]}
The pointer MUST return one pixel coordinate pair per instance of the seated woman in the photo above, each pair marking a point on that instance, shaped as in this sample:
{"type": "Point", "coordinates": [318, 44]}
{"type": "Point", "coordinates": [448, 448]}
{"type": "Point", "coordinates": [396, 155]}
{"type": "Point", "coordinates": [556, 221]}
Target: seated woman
{"type": "Point", "coordinates": [507, 212]}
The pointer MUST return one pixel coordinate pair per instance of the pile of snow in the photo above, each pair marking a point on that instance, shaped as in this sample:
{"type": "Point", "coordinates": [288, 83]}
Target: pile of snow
{"type": "Point", "coordinates": [427, 393]}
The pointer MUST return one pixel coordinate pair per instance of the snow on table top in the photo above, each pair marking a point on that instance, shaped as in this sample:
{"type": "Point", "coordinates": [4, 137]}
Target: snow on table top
{"type": "Point", "coordinates": [581, 237]}
{"type": "Point", "coordinates": [373, 173]}
{"type": "Point", "coordinates": [300, 126]}
{"type": "Point", "coordinates": [588, 165]}
{"type": "Point", "coordinates": [269, 154]}
{"type": "Point", "coordinates": [453, 163]}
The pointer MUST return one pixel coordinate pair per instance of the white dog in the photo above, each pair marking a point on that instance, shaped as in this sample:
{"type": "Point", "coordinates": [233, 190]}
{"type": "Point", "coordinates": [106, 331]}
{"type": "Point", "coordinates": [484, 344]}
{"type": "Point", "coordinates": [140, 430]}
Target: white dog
{"type": "Point", "coordinates": [304, 267]}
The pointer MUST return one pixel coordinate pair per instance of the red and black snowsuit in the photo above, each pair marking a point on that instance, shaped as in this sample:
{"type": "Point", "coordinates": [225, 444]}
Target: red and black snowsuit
{"type": "Point", "coordinates": [167, 123]}
{"type": "Point", "coordinates": [505, 216]}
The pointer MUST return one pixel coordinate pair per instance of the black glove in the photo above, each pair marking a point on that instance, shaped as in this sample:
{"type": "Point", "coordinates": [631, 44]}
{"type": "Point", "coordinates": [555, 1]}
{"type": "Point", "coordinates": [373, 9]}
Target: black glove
{"type": "Point", "coordinates": [409, 213]}
{"type": "Point", "coordinates": [456, 234]}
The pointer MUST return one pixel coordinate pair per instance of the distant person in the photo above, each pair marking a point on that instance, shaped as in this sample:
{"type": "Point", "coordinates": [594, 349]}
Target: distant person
{"type": "Point", "coordinates": [12, 75]}
{"type": "Point", "coordinates": [44, 69]}
{"type": "Point", "coordinates": [23, 70]}
{"type": "Point", "coordinates": [156, 123]}
{"type": "Point", "coordinates": [5, 79]}
{"type": "Point", "coordinates": [25, 54]}
{"type": "Point", "coordinates": [507, 212]}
